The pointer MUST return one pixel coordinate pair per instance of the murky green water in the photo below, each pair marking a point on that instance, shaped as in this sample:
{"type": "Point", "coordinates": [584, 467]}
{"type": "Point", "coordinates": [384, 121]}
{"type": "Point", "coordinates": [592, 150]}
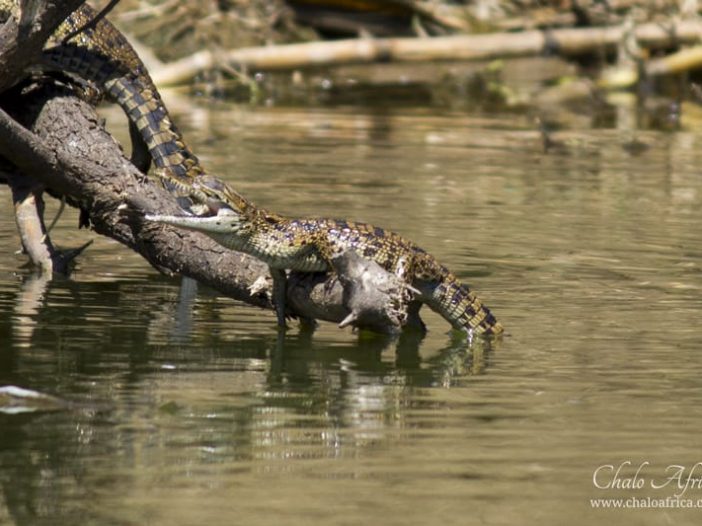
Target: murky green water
{"type": "Point", "coordinates": [194, 412]}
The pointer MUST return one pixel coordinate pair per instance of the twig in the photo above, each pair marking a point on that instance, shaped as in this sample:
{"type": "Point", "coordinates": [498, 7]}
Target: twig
{"type": "Point", "coordinates": [62, 206]}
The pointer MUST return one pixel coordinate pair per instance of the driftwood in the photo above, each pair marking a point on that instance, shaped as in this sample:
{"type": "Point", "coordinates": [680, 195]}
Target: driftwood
{"type": "Point", "coordinates": [567, 42]}
{"type": "Point", "coordinates": [52, 140]}
{"type": "Point", "coordinates": [679, 62]}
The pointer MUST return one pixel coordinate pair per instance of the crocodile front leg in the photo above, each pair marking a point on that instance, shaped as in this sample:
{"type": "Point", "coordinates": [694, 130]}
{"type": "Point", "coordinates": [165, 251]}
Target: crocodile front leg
{"type": "Point", "coordinates": [280, 287]}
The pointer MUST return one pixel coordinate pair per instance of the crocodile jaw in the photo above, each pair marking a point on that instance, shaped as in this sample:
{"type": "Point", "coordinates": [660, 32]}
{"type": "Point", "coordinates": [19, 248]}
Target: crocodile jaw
{"type": "Point", "coordinates": [222, 223]}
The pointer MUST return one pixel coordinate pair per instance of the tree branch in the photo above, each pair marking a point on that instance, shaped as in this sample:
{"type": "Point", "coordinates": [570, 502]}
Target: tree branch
{"type": "Point", "coordinates": [62, 145]}
{"type": "Point", "coordinates": [66, 149]}
{"type": "Point", "coordinates": [29, 215]}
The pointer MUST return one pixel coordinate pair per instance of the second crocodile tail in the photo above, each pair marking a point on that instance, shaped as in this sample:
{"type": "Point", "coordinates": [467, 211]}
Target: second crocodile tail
{"type": "Point", "coordinates": [103, 56]}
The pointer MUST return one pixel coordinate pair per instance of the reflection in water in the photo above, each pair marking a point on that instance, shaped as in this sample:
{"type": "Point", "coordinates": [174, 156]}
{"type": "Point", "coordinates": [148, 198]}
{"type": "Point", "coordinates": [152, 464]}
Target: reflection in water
{"type": "Point", "coordinates": [27, 306]}
{"type": "Point", "coordinates": [262, 398]}
{"type": "Point", "coordinates": [173, 321]}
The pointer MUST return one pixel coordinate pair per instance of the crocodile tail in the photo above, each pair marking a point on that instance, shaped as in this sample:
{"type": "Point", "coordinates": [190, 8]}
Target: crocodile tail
{"type": "Point", "coordinates": [103, 56]}
{"type": "Point", "coordinates": [166, 146]}
{"type": "Point", "coordinates": [460, 306]}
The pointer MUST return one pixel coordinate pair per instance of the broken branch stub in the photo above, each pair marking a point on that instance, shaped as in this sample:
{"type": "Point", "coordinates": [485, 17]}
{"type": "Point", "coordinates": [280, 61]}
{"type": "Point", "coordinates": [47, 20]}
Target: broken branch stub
{"type": "Point", "coordinates": [375, 298]}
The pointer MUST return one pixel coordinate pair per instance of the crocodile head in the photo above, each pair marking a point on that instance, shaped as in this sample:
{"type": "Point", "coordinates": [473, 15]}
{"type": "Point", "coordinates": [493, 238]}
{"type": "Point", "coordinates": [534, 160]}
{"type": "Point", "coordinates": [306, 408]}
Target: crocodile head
{"type": "Point", "coordinates": [206, 191]}
{"type": "Point", "coordinates": [228, 227]}
{"type": "Point", "coordinates": [216, 210]}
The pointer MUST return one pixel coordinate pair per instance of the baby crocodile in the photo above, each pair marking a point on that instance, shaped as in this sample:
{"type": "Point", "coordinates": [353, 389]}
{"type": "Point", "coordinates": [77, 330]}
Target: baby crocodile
{"type": "Point", "coordinates": [310, 245]}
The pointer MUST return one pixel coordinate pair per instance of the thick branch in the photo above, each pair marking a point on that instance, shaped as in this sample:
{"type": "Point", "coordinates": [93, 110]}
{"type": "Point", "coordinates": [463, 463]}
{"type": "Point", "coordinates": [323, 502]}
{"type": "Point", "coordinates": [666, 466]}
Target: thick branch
{"type": "Point", "coordinates": [67, 150]}
{"type": "Point", "coordinates": [29, 216]}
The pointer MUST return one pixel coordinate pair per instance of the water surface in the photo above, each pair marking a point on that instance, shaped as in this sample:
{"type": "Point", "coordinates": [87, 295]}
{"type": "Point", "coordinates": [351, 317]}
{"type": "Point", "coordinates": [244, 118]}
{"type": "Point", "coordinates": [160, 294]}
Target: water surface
{"type": "Point", "coordinates": [194, 411]}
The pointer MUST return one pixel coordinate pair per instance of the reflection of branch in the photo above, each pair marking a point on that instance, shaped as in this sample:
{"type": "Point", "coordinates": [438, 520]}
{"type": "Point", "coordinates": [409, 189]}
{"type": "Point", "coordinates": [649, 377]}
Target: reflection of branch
{"type": "Point", "coordinates": [460, 360]}
{"type": "Point", "coordinates": [172, 321]}
{"type": "Point", "coordinates": [27, 307]}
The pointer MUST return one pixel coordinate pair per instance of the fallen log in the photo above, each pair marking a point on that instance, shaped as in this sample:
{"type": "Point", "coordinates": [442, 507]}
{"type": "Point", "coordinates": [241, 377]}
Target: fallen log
{"type": "Point", "coordinates": [679, 62]}
{"type": "Point", "coordinates": [55, 139]}
{"type": "Point", "coordinates": [566, 42]}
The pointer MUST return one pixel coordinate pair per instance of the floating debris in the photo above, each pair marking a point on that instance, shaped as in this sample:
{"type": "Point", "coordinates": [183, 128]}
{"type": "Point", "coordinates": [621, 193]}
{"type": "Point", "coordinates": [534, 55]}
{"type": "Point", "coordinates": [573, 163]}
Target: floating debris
{"type": "Point", "coordinates": [16, 400]}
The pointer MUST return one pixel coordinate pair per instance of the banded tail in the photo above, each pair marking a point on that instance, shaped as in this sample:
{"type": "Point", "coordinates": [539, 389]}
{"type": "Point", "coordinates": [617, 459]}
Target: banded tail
{"type": "Point", "coordinates": [457, 304]}
{"type": "Point", "coordinates": [103, 56]}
